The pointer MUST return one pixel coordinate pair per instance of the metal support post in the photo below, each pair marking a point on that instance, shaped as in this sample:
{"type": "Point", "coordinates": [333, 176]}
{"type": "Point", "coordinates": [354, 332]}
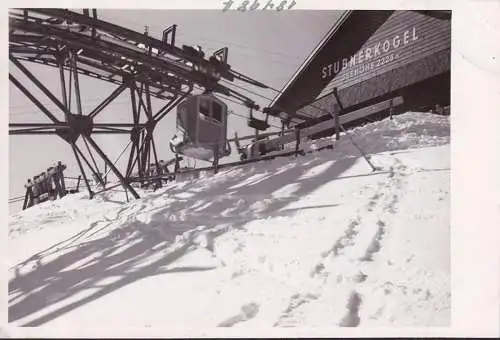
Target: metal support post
{"type": "Point", "coordinates": [216, 158]}
{"type": "Point", "coordinates": [91, 193]}
{"type": "Point", "coordinates": [297, 141]}
{"type": "Point", "coordinates": [117, 173]}
{"type": "Point", "coordinates": [336, 113]}
{"type": "Point", "coordinates": [74, 70]}
{"type": "Point", "coordinates": [335, 93]}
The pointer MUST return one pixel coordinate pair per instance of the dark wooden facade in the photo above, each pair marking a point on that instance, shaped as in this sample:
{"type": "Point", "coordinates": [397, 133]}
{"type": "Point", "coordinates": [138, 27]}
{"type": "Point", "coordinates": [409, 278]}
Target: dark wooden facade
{"type": "Point", "coordinates": [371, 56]}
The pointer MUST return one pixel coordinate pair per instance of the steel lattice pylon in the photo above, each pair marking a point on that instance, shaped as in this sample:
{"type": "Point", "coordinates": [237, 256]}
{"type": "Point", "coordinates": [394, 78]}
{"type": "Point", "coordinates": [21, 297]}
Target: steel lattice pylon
{"type": "Point", "coordinates": [82, 45]}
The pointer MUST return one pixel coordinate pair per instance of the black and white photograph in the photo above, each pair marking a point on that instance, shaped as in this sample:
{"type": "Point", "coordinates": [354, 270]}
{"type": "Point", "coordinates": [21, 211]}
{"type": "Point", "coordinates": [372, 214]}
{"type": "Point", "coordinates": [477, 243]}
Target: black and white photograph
{"type": "Point", "coordinates": [252, 166]}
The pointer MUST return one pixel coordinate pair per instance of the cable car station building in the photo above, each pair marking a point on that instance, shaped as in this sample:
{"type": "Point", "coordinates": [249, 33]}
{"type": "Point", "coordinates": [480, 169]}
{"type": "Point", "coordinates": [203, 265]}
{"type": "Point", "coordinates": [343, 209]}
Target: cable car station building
{"type": "Point", "coordinates": [374, 59]}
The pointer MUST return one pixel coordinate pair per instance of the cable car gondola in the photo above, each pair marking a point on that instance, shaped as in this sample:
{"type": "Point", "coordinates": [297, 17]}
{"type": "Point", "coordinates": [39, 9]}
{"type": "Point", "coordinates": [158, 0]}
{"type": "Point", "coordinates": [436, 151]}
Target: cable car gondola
{"type": "Point", "coordinates": [201, 128]}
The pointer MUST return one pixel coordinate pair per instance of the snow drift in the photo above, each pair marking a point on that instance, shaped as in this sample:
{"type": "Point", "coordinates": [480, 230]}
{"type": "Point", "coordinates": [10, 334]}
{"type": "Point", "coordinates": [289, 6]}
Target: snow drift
{"type": "Point", "coordinates": [308, 241]}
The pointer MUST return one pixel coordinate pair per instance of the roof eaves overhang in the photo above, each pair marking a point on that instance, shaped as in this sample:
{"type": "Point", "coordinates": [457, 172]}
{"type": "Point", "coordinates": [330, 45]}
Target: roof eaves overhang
{"type": "Point", "coordinates": [328, 36]}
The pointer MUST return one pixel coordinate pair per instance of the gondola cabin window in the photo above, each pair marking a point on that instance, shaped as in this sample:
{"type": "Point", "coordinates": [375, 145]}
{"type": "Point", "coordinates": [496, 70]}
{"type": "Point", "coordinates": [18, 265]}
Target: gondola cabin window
{"type": "Point", "coordinates": [204, 108]}
{"type": "Point", "coordinates": [210, 110]}
{"type": "Point", "coordinates": [182, 118]}
{"type": "Point", "coordinates": [217, 112]}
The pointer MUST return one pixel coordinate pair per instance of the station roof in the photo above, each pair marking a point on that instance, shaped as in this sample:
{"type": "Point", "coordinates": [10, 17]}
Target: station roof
{"type": "Point", "coordinates": [345, 37]}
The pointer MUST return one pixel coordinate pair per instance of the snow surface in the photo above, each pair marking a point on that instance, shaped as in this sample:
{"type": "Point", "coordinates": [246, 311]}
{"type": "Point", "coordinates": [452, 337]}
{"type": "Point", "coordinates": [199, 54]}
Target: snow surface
{"type": "Point", "coordinates": [309, 241]}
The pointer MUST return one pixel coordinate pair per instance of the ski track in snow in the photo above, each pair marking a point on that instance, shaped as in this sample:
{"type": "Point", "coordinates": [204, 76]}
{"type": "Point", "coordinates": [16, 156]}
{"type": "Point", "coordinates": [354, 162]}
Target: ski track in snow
{"type": "Point", "coordinates": [363, 237]}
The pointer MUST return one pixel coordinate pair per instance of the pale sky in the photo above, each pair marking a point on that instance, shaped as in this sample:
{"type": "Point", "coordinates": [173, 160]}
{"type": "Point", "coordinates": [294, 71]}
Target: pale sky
{"type": "Point", "coordinates": [268, 46]}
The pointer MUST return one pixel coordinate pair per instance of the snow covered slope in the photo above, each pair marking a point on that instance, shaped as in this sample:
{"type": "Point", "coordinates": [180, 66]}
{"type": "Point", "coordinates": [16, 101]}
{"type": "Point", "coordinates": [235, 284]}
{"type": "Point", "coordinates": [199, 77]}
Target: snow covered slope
{"type": "Point", "coordinates": [308, 241]}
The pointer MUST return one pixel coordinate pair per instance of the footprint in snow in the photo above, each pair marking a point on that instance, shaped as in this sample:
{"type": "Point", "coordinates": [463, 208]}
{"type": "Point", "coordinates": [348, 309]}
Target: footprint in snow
{"type": "Point", "coordinates": [352, 319]}
{"type": "Point", "coordinates": [247, 312]}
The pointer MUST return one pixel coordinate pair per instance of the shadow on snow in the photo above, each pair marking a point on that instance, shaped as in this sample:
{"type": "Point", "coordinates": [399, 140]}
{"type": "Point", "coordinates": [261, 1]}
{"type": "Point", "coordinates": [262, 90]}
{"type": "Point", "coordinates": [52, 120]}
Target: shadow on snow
{"type": "Point", "coordinates": [125, 249]}
{"type": "Point", "coordinates": [225, 199]}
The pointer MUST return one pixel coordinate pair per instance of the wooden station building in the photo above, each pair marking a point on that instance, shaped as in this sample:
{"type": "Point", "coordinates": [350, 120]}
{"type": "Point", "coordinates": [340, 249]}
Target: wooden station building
{"type": "Point", "coordinates": [371, 57]}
